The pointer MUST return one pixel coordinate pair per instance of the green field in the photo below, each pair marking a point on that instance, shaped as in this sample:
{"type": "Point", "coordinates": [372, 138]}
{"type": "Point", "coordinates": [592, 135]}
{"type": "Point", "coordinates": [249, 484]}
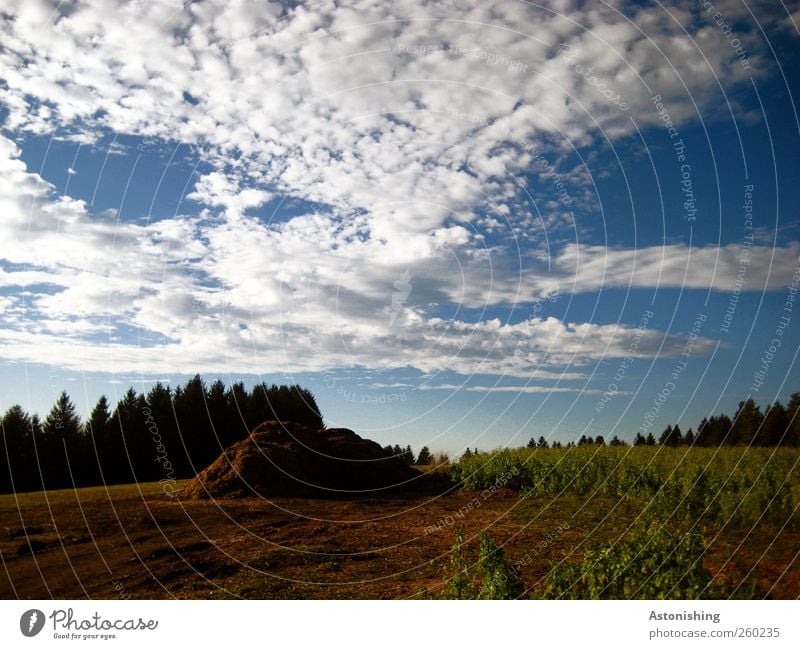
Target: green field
{"type": "Point", "coordinates": [684, 498]}
{"type": "Point", "coordinates": [56, 498]}
{"type": "Point", "coordinates": [709, 486]}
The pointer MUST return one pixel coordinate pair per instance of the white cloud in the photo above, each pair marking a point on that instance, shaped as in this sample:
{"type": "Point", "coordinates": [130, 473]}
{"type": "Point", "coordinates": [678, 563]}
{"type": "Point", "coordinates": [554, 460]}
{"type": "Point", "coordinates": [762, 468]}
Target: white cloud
{"type": "Point", "coordinates": [390, 116]}
{"type": "Point", "coordinates": [501, 389]}
{"type": "Point", "coordinates": [218, 190]}
{"type": "Point", "coordinates": [591, 268]}
{"type": "Point", "coordinates": [535, 389]}
{"type": "Point", "coordinates": [392, 109]}
{"type": "Point", "coordinates": [306, 294]}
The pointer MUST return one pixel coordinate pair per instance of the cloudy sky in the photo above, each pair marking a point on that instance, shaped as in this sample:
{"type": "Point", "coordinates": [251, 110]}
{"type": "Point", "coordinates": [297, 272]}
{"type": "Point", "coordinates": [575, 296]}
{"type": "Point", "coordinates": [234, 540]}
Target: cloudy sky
{"type": "Point", "coordinates": [457, 223]}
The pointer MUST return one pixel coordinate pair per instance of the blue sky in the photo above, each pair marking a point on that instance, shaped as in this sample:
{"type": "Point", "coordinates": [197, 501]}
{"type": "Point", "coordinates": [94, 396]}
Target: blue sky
{"type": "Point", "coordinates": [457, 226]}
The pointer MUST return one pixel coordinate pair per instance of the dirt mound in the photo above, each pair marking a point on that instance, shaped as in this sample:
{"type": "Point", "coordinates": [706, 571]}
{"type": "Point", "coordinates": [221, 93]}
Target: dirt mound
{"type": "Point", "coordinates": [287, 459]}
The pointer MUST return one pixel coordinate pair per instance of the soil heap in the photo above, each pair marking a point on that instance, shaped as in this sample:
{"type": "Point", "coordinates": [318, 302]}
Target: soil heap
{"type": "Point", "coordinates": [287, 459]}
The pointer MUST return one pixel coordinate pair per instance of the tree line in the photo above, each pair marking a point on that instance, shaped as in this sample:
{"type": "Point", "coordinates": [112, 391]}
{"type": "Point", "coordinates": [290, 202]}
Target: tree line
{"type": "Point", "coordinates": [778, 425]}
{"type": "Point", "coordinates": [405, 455]}
{"type": "Point", "coordinates": [165, 434]}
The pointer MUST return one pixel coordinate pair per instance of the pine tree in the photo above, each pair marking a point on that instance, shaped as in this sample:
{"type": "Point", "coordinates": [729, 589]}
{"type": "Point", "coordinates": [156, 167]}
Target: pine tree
{"type": "Point", "coordinates": [424, 458]}
{"type": "Point", "coordinates": [746, 423]}
{"type": "Point", "coordinates": [194, 425]}
{"type": "Point", "coordinates": [703, 433]}
{"type": "Point", "coordinates": [774, 427]}
{"type": "Point", "coordinates": [61, 443]}
{"type": "Point", "coordinates": [17, 467]}
{"type": "Point", "coordinates": [407, 455]}
{"type": "Point", "coordinates": [132, 448]}
{"type": "Point", "coordinates": [221, 418]}
{"type": "Point", "coordinates": [792, 437]}
{"type": "Point", "coordinates": [98, 432]}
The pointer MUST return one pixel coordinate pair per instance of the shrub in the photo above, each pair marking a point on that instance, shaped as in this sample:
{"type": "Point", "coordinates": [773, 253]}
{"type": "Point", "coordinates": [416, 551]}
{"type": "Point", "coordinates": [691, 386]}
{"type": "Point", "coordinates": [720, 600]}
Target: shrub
{"type": "Point", "coordinates": [458, 582]}
{"type": "Point", "coordinates": [498, 579]}
{"type": "Point", "coordinates": [650, 563]}
{"type": "Point", "coordinates": [490, 577]}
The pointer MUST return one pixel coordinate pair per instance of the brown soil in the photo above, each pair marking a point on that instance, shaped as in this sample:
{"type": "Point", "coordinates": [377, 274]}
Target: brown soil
{"type": "Point", "coordinates": [135, 542]}
{"type": "Point", "coordinates": [287, 459]}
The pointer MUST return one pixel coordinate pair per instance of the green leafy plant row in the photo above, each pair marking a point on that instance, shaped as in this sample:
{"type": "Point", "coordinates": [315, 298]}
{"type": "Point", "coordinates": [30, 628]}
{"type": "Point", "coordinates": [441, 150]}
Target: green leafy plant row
{"type": "Point", "coordinates": [740, 486]}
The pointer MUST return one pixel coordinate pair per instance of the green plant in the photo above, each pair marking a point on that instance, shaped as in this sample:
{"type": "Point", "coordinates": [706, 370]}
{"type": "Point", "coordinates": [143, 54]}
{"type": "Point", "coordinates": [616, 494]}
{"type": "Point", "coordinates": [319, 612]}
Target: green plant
{"type": "Point", "coordinates": [497, 578]}
{"type": "Point", "coordinates": [490, 577]}
{"type": "Point", "coordinates": [458, 584]}
{"type": "Point", "coordinates": [651, 562]}
{"type": "Point", "coordinates": [711, 487]}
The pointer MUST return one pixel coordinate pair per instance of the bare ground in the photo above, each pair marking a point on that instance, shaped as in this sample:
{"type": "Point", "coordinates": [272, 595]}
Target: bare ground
{"type": "Point", "coordinates": [133, 541]}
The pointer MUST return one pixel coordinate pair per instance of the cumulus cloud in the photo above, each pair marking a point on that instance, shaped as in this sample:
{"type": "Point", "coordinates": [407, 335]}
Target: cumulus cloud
{"type": "Point", "coordinates": [199, 299]}
{"type": "Point", "coordinates": [393, 109]}
{"type": "Point", "coordinates": [218, 190]}
{"type": "Point", "coordinates": [405, 128]}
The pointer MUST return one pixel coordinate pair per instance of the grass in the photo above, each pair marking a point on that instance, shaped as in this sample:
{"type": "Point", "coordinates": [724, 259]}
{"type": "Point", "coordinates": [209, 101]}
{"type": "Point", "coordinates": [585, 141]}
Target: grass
{"type": "Point", "coordinates": [66, 497]}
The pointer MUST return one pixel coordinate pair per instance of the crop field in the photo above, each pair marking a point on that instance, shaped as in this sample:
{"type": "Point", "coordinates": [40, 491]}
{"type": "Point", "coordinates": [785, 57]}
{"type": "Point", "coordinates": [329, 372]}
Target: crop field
{"type": "Point", "coordinates": [704, 487]}
{"type": "Point", "coordinates": [587, 522]}
{"type": "Point", "coordinates": [684, 500]}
